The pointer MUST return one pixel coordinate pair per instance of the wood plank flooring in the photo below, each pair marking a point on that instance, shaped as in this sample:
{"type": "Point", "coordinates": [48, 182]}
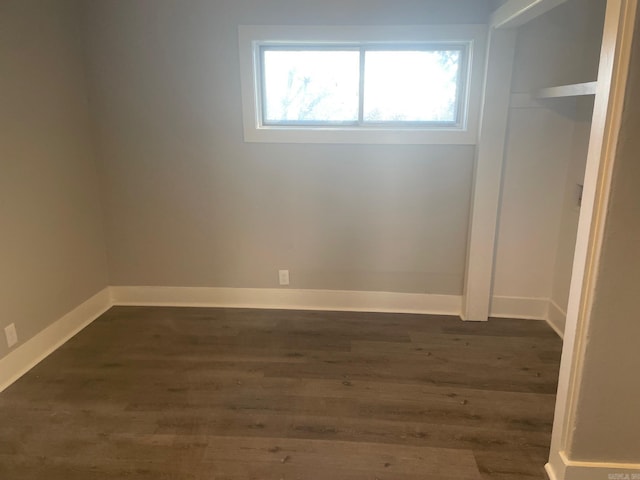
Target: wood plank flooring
{"type": "Point", "coordinates": [204, 394]}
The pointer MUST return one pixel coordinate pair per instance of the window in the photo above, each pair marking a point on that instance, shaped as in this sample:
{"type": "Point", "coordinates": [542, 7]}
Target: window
{"type": "Point", "coordinates": [360, 84]}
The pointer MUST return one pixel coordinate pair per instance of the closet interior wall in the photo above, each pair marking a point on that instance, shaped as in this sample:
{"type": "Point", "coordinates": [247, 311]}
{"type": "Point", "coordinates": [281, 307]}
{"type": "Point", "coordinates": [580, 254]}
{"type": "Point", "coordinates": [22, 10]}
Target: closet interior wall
{"type": "Point", "coordinates": [545, 155]}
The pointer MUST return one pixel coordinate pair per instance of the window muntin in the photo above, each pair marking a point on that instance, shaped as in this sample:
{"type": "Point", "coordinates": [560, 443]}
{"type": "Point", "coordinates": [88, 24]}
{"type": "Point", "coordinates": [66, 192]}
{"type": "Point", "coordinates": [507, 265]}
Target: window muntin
{"type": "Point", "coordinates": [363, 86]}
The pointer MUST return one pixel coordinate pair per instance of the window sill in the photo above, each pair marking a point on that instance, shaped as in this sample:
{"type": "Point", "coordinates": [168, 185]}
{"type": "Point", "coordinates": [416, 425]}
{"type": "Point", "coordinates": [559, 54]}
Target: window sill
{"type": "Point", "coordinates": [408, 136]}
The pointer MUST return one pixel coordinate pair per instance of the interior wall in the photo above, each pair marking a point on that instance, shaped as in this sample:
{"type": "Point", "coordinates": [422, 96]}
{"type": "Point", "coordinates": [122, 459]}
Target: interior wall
{"type": "Point", "coordinates": [546, 145]}
{"type": "Point", "coordinates": [188, 203]}
{"type": "Point", "coordinates": [606, 412]}
{"type": "Point", "coordinates": [52, 250]}
{"type": "Point", "coordinates": [590, 48]}
{"type": "Point", "coordinates": [571, 204]}
{"type": "Point", "coordinates": [534, 178]}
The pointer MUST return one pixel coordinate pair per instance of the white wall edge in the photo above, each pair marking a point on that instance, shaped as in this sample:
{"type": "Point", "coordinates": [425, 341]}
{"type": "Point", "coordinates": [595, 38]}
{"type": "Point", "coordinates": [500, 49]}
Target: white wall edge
{"type": "Point", "coordinates": [556, 318]}
{"type": "Point", "coordinates": [288, 299]}
{"type": "Point", "coordinates": [515, 13]}
{"type": "Point", "coordinates": [519, 307]}
{"type": "Point", "coordinates": [582, 470]}
{"type": "Point", "coordinates": [26, 356]}
{"type": "Point", "coordinates": [487, 175]}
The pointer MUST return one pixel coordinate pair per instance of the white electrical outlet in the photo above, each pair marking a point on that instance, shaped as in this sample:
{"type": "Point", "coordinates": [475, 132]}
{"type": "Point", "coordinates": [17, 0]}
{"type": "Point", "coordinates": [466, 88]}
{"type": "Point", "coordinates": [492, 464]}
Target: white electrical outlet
{"type": "Point", "coordinates": [11, 334]}
{"type": "Point", "coordinates": [283, 276]}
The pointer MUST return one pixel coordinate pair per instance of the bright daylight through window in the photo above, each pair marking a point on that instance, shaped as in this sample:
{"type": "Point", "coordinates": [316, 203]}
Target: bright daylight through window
{"type": "Point", "coordinates": [346, 86]}
{"type": "Point", "coordinates": [361, 84]}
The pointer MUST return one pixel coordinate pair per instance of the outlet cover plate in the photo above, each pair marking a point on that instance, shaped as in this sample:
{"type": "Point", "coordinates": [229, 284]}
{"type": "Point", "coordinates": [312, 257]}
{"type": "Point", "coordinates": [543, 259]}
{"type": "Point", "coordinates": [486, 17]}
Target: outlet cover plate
{"type": "Point", "coordinates": [283, 276]}
{"type": "Point", "coordinates": [11, 334]}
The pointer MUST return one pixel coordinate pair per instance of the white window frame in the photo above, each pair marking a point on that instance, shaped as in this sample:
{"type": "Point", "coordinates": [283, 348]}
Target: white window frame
{"type": "Point", "coordinates": [252, 38]}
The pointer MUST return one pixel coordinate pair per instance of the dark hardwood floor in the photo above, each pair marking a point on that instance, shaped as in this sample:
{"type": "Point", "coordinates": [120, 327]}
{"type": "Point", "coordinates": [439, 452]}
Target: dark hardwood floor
{"type": "Point", "coordinates": [182, 394]}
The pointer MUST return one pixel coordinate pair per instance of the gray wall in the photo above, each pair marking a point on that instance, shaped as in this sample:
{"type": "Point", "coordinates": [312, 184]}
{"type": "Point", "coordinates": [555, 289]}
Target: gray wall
{"type": "Point", "coordinates": [608, 406]}
{"type": "Point", "coordinates": [570, 209]}
{"type": "Point", "coordinates": [546, 153]}
{"type": "Point", "coordinates": [188, 203]}
{"type": "Point", "coordinates": [52, 251]}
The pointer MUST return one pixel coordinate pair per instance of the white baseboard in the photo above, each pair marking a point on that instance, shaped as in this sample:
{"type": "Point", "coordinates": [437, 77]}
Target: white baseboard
{"type": "Point", "coordinates": [531, 309]}
{"type": "Point", "coordinates": [33, 351]}
{"type": "Point", "coordinates": [340, 300]}
{"type": "Point", "coordinates": [29, 354]}
{"type": "Point", "coordinates": [288, 299]}
{"type": "Point", "coordinates": [551, 473]}
{"type": "Point", "coordinates": [573, 470]}
{"type": "Point", "coordinates": [556, 318]}
{"type": "Point", "coordinates": [519, 307]}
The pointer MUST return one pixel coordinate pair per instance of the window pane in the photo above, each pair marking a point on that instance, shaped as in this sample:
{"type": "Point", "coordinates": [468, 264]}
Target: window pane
{"type": "Point", "coordinates": [411, 86]}
{"type": "Point", "coordinates": [311, 86]}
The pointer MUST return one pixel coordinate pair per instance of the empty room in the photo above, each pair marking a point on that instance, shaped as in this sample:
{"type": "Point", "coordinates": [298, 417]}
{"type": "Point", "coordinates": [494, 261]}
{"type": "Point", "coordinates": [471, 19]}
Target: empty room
{"type": "Point", "coordinates": [278, 239]}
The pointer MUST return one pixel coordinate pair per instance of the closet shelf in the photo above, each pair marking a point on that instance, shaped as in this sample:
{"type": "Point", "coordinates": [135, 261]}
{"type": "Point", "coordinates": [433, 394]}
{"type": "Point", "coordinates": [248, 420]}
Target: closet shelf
{"type": "Point", "coordinates": [573, 90]}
